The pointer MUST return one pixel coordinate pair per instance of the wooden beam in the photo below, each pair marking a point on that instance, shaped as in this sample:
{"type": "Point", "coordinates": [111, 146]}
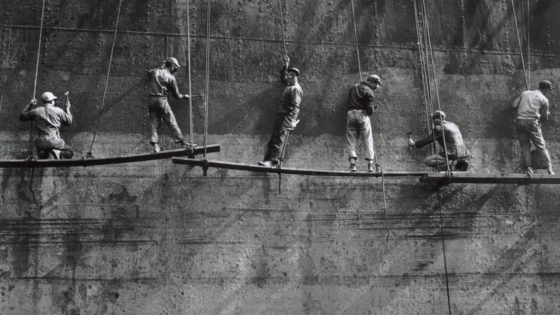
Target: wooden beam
{"type": "Point", "coordinates": [473, 178]}
{"type": "Point", "coordinates": [110, 160]}
{"type": "Point", "coordinates": [294, 171]}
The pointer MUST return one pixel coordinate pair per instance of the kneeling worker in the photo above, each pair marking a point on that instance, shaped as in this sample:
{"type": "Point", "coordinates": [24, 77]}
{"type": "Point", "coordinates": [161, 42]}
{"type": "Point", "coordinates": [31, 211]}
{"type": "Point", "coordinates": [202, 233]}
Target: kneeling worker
{"type": "Point", "coordinates": [48, 120]}
{"type": "Point", "coordinates": [453, 146]}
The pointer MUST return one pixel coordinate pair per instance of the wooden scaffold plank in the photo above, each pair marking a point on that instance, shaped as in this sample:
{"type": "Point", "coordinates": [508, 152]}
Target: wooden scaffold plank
{"type": "Point", "coordinates": [474, 178]}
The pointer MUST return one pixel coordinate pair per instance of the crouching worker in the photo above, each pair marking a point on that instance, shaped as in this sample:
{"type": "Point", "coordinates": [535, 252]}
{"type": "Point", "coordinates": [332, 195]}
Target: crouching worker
{"type": "Point", "coordinates": [453, 146]}
{"type": "Point", "coordinates": [48, 120]}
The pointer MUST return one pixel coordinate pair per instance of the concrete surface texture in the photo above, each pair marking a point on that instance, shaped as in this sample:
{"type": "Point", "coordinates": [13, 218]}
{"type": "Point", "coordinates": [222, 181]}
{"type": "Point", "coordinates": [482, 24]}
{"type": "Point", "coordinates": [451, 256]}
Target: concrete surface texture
{"type": "Point", "coordinates": [160, 238]}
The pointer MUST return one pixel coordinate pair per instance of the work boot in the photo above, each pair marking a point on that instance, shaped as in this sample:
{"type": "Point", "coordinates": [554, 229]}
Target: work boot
{"type": "Point", "coordinates": [370, 167]}
{"type": "Point", "coordinates": [462, 166]}
{"type": "Point", "coordinates": [265, 163]}
{"type": "Point", "coordinates": [43, 155]}
{"type": "Point", "coordinates": [352, 167]}
{"type": "Point", "coordinates": [529, 170]}
{"type": "Point", "coordinates": [156, 148]}
{"type": "Point", "coordinates": [550, 171]}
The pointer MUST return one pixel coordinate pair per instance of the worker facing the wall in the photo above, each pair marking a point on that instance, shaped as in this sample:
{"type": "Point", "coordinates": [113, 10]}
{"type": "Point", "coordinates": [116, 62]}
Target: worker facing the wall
{"type": "Point", "coordinates": [449, 137]}
{"type": "Point", "coordinates": [359, 107]}
{"type": "Point", "coordinates": [162, 85]}
{"type": "Point", "coordinates": [286, 117]}
{"type": "Point", "coordinates": [48, 120]}
{"type": "Point", "coordinates": [532, 108]}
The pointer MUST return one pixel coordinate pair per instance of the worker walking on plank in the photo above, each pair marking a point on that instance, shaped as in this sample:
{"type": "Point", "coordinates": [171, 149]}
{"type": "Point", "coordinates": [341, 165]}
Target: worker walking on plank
{"type": "Point", "coordinates": [532, 108]}
{"type": "Point", "coordinates": [359, 107]}
{"type": "Point", "coordinates": [449, 137]}
{"type": "Point", "coordinates": [163, 84]}
{"type": "Point", "coordinates": [286, 117]}
{"type": "Point", "coordinates": [48, 120]}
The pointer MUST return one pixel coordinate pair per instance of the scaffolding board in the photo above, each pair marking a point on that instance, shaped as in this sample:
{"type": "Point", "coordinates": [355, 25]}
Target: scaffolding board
{"type": "Point", "coordinates": [472, 178]}
{"type": "Point", "coordinates": [293, 171]}
{"type": "Point", "coordinates": [110, 160]}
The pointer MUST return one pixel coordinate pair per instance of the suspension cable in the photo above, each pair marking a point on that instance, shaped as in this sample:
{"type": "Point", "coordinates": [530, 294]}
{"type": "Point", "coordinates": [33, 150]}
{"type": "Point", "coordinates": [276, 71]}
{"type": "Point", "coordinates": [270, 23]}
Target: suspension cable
{"type": "Point", "coordinates": [191, 127]}
{"type": "Point", "coordinates": [436, 88]}
{"type": "Point", "coordinates": [520, 47]}
{"type": "Point", "coordinates": [37, 74]}
{"type": "Point", "coordinates": [106, 80]}
{"type": "Point", "coordinates": [357, 44]}
{"type": "Point", "coordinates": [207, 76]}
{"type": "Point", "coordinates": [528, 42]}
{"type": "Point", "coordinates": [282, 24]}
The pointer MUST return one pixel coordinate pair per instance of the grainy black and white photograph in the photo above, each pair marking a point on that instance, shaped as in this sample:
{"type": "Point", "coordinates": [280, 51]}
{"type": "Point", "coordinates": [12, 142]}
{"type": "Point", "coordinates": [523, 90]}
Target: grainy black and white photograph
{"type": "Point", "coordinates": [279, 157]}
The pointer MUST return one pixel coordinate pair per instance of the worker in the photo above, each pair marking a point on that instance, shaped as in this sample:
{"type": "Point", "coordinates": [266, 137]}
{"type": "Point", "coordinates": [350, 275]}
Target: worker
{"type": "Point", "coordinates": [162, 85]}
{"type": "Point", "coordinates": [286, 117]}
{"type": "Point", "coordinates": [359, 107]}
{"type": "Point", "coordinates": [449, 137]}
{"type": "Point", "coordinates": [532, 109]}
{"type": "Point", "coordinates": [48, 119]}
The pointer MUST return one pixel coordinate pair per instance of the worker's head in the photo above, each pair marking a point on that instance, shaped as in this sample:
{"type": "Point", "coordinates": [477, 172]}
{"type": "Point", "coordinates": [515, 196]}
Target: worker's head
{"type": "Point", "coordinates": [48, 97]}
{"type": "Point", "coordinates": [545, 86]}
{"type": "Point", "coordinates": [438, 116]}
{"type": "Point", "coordinates": [292, 75]}
{"type": "Point", "coordinates": [374, 81]}
{"type": "Point", "coordinates": [172, 64]}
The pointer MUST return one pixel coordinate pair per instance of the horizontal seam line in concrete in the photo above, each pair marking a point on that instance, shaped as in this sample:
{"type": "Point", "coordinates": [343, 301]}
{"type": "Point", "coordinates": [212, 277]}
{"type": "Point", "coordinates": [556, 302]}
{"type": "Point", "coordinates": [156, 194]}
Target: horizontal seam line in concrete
{"type": "Point", "coordinates": [275, 40]}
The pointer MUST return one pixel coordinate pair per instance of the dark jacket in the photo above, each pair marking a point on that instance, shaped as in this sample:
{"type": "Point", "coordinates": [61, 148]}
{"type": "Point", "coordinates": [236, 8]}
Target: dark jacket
{"type": "Point", "coordinates": [453, 140]}
{"type": "Point", "coordinates": [361, 97]}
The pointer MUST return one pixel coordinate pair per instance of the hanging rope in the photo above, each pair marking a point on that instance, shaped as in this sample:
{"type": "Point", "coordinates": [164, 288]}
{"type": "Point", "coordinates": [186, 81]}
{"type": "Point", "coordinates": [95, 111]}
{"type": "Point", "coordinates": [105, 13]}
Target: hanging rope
{"type": "Point", "coordinates": [207, 76]}
{"type": "Point", "coordinates": [444, 253]}
{"type": "Point", "coordinates": [89, 154]}
{"type": "Point", "coordinates": [36, 76]}
{"type": "Point", "coordinates": [528, 42]}
{"type": "Point", "coordinates": [191, 127]}
{"type": "Point", "coordinates": [282, 25]}
{"type": "Point", "coordinates": [357, 45]}
{"type": "Point", "coordinates": [520, 46]}
{"type": "Point", "coordinates": [435, 84]}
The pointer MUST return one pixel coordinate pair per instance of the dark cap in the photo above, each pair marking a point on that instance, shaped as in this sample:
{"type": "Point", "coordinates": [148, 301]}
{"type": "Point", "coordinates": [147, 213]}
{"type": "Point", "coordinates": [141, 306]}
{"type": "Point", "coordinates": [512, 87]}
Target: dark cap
{"type": "Point", "coordinates": [294, 70]}
{"type": "Point", "coordinates": [374, 78]}
{"type": "Point", "coordinates": [438, 114]}
{"type": "Point", "coordinates": [545, 85]}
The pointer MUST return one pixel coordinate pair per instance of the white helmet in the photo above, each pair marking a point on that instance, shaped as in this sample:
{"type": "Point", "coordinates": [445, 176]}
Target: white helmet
{"type": "Point", "coordinates": [47, 97]}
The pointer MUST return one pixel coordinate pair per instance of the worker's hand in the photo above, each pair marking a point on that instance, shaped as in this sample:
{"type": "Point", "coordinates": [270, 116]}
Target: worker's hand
{"type": "Point", "coordinates": [185, 97]}
{"type": "Point", "coordinates": [32, 102]}
{"type": "Point", "coordinates": [294, 124]}
{"type": "Point", "coordinates": [411, 142]}
{"type": "Point", "coordinates": [286, 59]}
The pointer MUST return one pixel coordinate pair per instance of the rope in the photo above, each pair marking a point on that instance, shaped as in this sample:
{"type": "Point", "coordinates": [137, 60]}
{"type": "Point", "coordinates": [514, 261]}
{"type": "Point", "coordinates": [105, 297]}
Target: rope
{"type": "Point", "coordinates": [528, 43]}
{"type": "Point", "coordinates": [37, 73]}
{"type": "Point", "coordinates": [107, 79]}
{"type": "Point", "coordinates": [444, 254]}
{"type": "Point", "coordinates": [357, 45]}
{"type": "Point", "coordinates": [520, 47]}
{"type": "Point", "coordinates": [282, 24]}
{"type": "Point", "coordinates": [207, 76]}
{"type": "Point", "coordinates": [191, 127]}
{"type": "Point", "coordinates": [435, 85]}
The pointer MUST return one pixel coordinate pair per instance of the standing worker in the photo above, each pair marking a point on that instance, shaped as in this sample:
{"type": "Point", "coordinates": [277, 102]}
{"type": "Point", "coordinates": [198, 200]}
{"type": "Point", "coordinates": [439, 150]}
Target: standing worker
{"type": "Point", "coordinates": [162, 84]}
{"type": "Point", "coordinates": [286, 118]}
{"type": "Point", "coordinates": [532, 108]}
{"type": "Point", "coordinates": [48, 120]}
{"type": "Point", "coordinates": [360, 106]}
{"type": "Point", "coordinates": [450, 139]}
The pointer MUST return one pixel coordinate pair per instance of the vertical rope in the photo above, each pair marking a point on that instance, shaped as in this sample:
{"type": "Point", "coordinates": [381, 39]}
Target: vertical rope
{"type": "Point", "coordinates": [444, 253]}
{"type": "Point", "coordinates": [107, 78]}
{"type": "Point", "coordinates": [436, 86]}
{"type": "Point", "coordinates": [37, 73]}
{"type": "Point", "coordinates": [191, 127]}
{"type": "Point", "coordinates": [528, 42]}
{"type": "Point", "coordinates": [282, 24]}
{"type": "Point", "coordinates": [207, 76]}
{"type": "Point", "coordinates": [357, 44]}
{"type": "Point", "coordinates": [520, 47]}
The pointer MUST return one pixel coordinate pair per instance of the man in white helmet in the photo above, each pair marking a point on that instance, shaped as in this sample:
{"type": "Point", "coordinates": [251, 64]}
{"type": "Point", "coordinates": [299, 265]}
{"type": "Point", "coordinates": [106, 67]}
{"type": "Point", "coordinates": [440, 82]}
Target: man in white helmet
{"type": "Point", "coordinates": [48, 120]}
{"type": "Point", "coordinates": [450, 139]}
{"type": "Point", "coordinates": [162, 85]}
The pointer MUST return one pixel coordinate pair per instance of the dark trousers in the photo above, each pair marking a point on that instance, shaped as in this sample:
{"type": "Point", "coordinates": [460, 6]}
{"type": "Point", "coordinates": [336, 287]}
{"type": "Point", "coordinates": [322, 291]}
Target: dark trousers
{"type": "Point", "coordinates": [159, 110]}
{"type": "Point", "coordinates": [65, 153]}
{"type": "Point", "coordinates": [529, 130]}
{"type": "Point", "coordinates": [281, 126]}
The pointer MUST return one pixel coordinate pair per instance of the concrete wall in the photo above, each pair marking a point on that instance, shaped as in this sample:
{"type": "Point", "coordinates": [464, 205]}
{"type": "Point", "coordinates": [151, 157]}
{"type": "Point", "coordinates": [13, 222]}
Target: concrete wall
{"type": "Point", "coordinates": [159, 238]}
